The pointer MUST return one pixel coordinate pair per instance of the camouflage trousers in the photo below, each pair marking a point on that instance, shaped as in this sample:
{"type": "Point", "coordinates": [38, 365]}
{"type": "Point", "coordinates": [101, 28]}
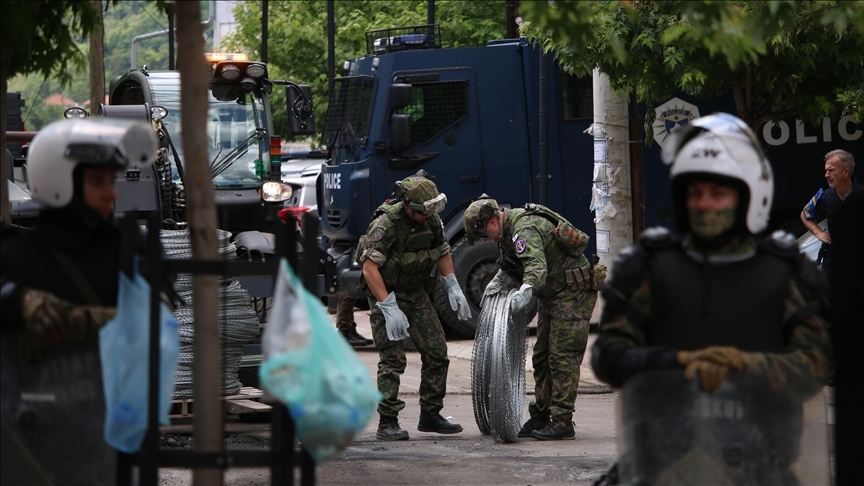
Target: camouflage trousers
{"type": "Point", "coordinates": [345, 314]}
{"type": "Point", "coordinates": [428, 336]}
{"type": "Point", "coordinates": [562, 334]}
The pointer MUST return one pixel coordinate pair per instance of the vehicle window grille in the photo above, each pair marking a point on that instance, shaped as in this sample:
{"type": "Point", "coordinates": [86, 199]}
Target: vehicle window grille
{"type": "Point", "coordinates": [435, 107]}
{"type": "Point", "coordinates": [578, 96]}
{"type": "Point", "coordinates": [335, 218]}
{"type": "Point", "coordinates": [349, 110]}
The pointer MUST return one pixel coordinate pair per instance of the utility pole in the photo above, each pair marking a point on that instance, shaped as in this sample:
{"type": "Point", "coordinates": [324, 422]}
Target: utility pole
{"type": "Point", "coordinates": [97, 69]}
{"type": "Point", "coordinates": [611, 199]}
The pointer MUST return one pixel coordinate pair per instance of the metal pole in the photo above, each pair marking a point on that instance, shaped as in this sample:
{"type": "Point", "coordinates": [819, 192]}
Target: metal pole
{"type": "Point", "coordinates": [169, 9]}
{"type": "Point", "coordinates": [430, 12]}
{"type": "Point", "coordinates": [331, 46]}
{"type": "Point", "coordinates": [264, 9]}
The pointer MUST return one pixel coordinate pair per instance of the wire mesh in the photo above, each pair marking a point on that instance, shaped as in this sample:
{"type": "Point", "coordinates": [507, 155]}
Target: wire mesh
{"type": "Point", "coordinates": [435, 107]}
{"type": "Point", "coordinates": [238, 321]}
{"type": "Point", "coordinates": [498, 368]}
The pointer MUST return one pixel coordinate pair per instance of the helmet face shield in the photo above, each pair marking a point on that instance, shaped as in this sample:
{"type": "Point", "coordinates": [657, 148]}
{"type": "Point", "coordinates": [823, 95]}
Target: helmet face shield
{"type": "Point", "coordinates": [722, 146]}
{"type": "Point", "coordinates": [431, 206]}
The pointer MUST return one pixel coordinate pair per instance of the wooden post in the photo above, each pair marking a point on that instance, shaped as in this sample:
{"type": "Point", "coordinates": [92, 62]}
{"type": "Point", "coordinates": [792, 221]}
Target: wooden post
{"type": "Point", "coordinates": [200, 197]}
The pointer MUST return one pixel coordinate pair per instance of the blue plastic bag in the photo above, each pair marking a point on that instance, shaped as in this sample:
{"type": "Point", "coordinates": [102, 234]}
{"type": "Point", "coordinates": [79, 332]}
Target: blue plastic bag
{"type": "Point", "coordinates": [124, 349]}
{"type": "Point", "coordinates": [312, 369]}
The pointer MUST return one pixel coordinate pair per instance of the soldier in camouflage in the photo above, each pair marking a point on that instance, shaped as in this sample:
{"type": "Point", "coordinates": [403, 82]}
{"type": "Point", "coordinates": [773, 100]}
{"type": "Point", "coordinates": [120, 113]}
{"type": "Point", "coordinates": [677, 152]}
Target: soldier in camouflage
{"type": "Point", "coordinates": [543, 252]}
{"type": "Point", "coordinates": [720, 303]}
{"type": "Point", "coordinates": [403, 244]}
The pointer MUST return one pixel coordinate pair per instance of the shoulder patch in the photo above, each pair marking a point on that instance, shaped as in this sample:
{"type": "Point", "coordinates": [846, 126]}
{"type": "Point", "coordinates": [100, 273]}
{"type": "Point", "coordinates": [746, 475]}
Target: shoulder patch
{"type": "Point", "coordinates": [520, 246]}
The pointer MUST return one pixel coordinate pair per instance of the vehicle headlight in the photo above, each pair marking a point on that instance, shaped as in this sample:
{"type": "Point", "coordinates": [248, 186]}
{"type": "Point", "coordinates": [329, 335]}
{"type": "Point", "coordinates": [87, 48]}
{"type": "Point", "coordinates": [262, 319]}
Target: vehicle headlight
{"type": "Point", "coordinates": [256, 71]}
{"type": "Point", "coordinates": [230, 72]}
{"type": "Point", "coordinates": [276, 191]}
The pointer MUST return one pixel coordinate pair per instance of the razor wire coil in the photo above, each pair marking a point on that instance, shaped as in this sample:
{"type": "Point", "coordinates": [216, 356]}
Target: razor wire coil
{"type": "Point", "coordinates": [238, 321]}
{"type": "Point", "coordinates": [498, 368]}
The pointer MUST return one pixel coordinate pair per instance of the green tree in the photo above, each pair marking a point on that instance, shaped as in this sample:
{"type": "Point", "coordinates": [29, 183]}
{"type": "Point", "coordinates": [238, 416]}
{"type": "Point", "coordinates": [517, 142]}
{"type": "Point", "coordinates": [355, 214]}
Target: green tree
{"type": "Point", "coordinates": [778, 59]}
{"type": "Point", "coordinates": [297, 30]}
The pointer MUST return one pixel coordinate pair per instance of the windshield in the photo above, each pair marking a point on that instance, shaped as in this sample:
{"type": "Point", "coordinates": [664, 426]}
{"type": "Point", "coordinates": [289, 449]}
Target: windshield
{"type": "Point", "coordinates": [349, 110]}
{"type": "Point", "coordinates": [237, 141]}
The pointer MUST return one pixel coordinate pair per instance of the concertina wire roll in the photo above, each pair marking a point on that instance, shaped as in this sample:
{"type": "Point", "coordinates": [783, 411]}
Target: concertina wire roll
{"type": "Point", "coordinates": [238, 322]}
{"type": "Point", "coordinates": [498, 368]}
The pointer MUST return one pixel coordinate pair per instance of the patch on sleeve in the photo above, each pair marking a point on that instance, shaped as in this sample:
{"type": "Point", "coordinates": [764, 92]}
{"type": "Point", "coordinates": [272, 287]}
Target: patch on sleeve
{"type": "Point", "coordinates": [377, 234]}
{"type": "Point", "coordinates": [520, 246]}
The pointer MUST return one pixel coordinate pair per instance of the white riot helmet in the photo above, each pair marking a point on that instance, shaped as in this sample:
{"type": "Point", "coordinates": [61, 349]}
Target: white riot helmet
{"type": "Point", "coordinates": [722, 147]}
{"type": "Point", "coordinates": [62, 145]}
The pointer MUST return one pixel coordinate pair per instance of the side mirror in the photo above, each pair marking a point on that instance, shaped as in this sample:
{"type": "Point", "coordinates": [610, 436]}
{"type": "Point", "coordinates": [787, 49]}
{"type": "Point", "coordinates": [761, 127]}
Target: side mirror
{"type": "Point", "coordinates": [400, 95]}
{"type": "Point", "coordinates": [400, 131]}
{"type": "Point", "coordinates": [301, 116]}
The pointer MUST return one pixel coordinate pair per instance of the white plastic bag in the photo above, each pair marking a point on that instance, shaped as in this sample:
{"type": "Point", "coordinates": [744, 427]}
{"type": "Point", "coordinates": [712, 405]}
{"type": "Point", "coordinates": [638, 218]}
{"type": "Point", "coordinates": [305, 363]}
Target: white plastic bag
{"type": "Point", "coordinates": [312, 369]}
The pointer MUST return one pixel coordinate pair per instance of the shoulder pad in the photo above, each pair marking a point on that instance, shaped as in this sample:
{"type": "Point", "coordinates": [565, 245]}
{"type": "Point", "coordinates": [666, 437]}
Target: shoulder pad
{"type": "Point", "coordinates": [391, 209]}
{"type": "Point", "coordinates": [780, 244]}
{"type": "Point", "coordinates": [628, 272]}
{"type": "Point", "coordinates": [658, 238]}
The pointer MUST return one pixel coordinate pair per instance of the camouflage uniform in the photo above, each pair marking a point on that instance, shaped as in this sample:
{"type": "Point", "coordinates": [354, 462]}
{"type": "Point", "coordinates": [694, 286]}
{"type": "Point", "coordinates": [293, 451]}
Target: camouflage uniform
{"type": "Point", "coordinates": [565, 307]}
{"type": "Point", "coordinates": [406, 252]}
{"type": "Point", "coordinates": [632, 309]}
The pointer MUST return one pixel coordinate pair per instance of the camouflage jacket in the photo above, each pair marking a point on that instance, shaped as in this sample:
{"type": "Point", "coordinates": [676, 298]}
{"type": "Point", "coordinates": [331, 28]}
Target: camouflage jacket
{"type": "Point", "coordinates": [405, 250]}
{"type": "Point", "coordinates": [529, 251]}
{"type": "Point", "coordinates": [622, 349]}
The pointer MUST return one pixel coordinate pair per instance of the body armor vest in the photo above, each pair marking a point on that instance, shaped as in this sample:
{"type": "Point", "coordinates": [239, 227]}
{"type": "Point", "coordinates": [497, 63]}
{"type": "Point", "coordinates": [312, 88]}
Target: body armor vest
{"type": "Point", "coordinates": [413, 254]}
{"type": "Point", "coordinates": [738, 304]}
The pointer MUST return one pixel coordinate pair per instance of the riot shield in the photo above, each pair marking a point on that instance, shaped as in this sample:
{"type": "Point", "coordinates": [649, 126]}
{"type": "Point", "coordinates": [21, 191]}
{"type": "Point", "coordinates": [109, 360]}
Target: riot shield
{"type": "Point", "coordinates": [57, 410]}
{"type": "Point", "coordinates": [745, 433]}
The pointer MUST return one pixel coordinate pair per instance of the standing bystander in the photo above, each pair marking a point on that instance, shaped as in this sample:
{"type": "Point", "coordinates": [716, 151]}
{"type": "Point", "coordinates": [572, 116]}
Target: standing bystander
{"type": "Point", "coordinates": [839, 170]}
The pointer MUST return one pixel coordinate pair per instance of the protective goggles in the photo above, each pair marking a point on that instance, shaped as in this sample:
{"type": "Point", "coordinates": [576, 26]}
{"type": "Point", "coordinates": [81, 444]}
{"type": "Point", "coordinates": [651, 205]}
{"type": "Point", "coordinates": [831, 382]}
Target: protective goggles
{"type": "Point", "coordinates": [432, 206]}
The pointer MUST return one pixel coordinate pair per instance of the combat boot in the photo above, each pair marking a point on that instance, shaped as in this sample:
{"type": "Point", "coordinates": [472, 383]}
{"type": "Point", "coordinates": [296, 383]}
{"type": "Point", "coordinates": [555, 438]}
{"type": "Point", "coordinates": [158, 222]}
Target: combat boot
{"type": "Point", "coordinates": [388, 429]}
{"type": "Point", "coordinates": [533, 424]}
{"type": "Point", "coordinates": [434, 422]}
{"type": "Point", "coordinates": [355, 339]}
{"type": "Point", "coordinates": [555, 430]}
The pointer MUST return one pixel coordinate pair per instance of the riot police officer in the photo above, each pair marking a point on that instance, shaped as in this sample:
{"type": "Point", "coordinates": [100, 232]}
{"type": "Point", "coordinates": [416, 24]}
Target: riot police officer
{"type": "Point", "coordinates": [543, 252]}
{"type": "Point", "coordinates": [59, 287]}
{"type": "Point", "coordinates": [716, 338]}
{"type": "Point", "coordinates": [404, 242]}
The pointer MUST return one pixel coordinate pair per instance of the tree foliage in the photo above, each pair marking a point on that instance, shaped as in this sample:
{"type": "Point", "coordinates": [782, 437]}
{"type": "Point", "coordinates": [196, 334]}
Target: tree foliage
{"type": "Point", "coordinates": [297, 31]}
{"type": "Point", "coordinates": [123, 21]}
{"type": "Point", "coordinates": [779, 59]}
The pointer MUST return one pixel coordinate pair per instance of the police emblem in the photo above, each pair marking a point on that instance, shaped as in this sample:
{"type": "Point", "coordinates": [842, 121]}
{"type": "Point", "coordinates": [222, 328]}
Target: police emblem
{"type": "Point", "coordinates": [520, 246]}
{"type": "Point", "coordinates": [673, 113]}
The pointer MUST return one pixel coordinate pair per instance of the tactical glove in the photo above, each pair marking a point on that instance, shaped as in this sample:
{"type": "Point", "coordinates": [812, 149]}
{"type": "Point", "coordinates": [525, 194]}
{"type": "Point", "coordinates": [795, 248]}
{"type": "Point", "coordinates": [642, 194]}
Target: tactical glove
{"type": "Point", "coordinates": [711, 364]}
{"type": "Point", "coordinates": [49, 319]}
{"type": "Point", "coordinates": [521, 298]}
{"type": "Point", "coordinates": [394, 318]}
{"type": "Point", "coordinates": [494, 286]}
{"type": "Point", "coordinates": [457, 299]}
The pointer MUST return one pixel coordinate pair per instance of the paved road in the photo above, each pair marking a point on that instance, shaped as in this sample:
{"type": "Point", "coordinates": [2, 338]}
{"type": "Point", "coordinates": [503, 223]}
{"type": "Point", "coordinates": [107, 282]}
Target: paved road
{"type": "Point", "coordinates": [466, 458]}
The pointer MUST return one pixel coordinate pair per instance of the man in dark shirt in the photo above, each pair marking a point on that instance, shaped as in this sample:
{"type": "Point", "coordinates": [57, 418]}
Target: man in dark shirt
{"type": "Point", "coordinates": [839, 167]}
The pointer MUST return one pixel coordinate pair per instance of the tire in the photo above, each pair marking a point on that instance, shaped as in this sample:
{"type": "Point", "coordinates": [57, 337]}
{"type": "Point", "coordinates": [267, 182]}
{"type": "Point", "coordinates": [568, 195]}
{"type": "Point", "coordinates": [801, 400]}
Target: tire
{"type": "Point", "coordinates": [474, 266]}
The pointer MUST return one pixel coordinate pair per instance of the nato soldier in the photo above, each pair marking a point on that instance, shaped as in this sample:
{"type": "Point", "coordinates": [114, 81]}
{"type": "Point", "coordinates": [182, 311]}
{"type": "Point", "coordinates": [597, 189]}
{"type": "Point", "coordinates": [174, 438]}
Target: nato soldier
{"type": "Point", "coordinates": [543, 252]}
{"type": "Point", "coordinates": [738, 316]}
{"type": "Point", "coordinates": [404, 242]}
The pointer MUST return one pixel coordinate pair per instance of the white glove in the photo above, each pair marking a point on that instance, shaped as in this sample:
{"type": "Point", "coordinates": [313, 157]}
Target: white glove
{"type": "Point", "coordinates": [394, 318]}
{"type": "Point", "coordinates": [457, 299]}
{"type": "Point", "coordinates": [521, 298]}
{"type": "Point", "coordinates": [494, 286]}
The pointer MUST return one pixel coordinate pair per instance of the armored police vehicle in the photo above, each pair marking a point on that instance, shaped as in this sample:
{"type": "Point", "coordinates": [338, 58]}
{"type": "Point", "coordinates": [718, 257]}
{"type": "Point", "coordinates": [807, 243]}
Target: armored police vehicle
{"type": "Point", "coordinates": [471, 118]}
